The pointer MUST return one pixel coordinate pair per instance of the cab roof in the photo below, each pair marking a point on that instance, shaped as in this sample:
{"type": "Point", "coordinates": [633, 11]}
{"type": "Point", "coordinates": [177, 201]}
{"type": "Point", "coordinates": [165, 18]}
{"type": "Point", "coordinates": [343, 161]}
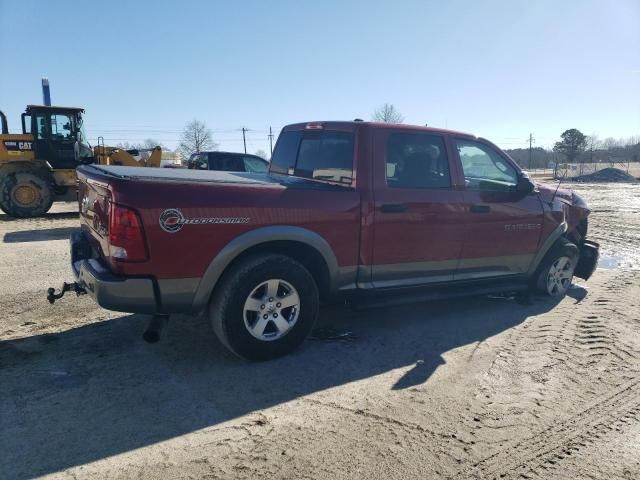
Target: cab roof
{"type": "Point", "coordinates": [53, 108]}
{"type": "Point", "coordinates": [352, 125]}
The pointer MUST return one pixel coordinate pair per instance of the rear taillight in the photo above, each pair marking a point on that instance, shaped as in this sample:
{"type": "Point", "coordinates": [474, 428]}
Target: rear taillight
{"type": "Point", "coordinates": [126, 238]}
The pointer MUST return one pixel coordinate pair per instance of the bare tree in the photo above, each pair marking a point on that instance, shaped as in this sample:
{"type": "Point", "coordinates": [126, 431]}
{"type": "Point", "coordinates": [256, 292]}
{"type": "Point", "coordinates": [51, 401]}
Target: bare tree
{"type": "Point", "coordinates": [196, 137]}
{"type": "Point", "coordinates": [610, 143]}
{"type": "Point", "coordinates": [387, 113]}
{"type": "Point", "coordinates": [150, 143]}
{"type": "Point", "coordinates": [592, 144]}
{"type": "Point", "coordinates": [262, 154]}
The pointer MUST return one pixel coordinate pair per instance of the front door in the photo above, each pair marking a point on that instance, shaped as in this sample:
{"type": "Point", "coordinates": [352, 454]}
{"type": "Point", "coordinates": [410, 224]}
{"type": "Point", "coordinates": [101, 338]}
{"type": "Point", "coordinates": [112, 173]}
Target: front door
{"type": "Point", "coordinates": [55, 140]}
{"type": "Point", "coordinates": [418, 211]}
{"type": "Point", "coordinates": [502, 226]}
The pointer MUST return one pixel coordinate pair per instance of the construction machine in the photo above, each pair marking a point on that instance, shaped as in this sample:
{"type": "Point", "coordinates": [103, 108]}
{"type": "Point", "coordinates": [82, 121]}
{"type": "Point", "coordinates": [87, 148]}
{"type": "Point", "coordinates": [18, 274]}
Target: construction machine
{"type": "Point", "coordinates": [37, 166]}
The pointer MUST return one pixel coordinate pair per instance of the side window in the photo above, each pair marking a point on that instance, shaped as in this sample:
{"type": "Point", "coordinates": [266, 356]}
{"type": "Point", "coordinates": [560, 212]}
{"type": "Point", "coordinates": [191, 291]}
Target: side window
{"type": "Point", "coordinates": [254, 165]}
{"type": "Point", "coordinates": [61, 126]}
{"type": "Point", "coordinates": [198, 161]}
{"type": "Point", "coordinates": [326, 155]}
{"type": "Point", "coordinates": [286, 151]}
{"type": "Point", "coordinates": [231, 163]}
{"type": "Point", "coordinates": [416, 160]}
{"type": "Point", "coordinates": [484, 168]}
{"type": "Point", "coordinates": [26, 123]}
{"type": "Point", "coordinates": [41, 126]}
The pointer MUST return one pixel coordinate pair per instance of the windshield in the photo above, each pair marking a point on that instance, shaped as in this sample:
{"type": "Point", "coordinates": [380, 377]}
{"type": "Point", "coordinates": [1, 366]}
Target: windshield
{"type": "Point", "coordinates": [83, 142]}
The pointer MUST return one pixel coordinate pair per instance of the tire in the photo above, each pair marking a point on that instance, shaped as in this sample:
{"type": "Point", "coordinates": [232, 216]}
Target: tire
{"type": "Point", "coordinates": [247, 315]}
{"type": "Point", "coordinates": [555, 274]}
{"type": "Point", "coordinates": [26, 193]}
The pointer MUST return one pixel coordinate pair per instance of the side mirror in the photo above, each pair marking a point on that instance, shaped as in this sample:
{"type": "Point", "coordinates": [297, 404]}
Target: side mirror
{"type": "Point", "coordinates": [525, 185]}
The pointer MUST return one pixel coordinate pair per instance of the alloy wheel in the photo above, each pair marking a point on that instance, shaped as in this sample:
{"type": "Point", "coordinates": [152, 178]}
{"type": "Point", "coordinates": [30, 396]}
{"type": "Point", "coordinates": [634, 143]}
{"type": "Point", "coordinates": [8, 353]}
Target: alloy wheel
{"type": "Point", "coordinates": [560, 276]}
{"type": "Point", "coordinates": [271, 310]}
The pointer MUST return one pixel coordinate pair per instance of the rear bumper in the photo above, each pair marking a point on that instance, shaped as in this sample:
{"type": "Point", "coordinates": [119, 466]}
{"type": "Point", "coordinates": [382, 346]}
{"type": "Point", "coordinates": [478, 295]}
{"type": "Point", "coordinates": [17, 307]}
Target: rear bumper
{"type": "Point", "coordinates": [134, 295]}
{"type": "Point", "coordinates": [588, 260]}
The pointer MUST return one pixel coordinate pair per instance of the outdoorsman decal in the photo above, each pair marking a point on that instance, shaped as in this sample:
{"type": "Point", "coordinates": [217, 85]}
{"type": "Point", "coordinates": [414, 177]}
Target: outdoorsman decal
{"type": "Point", "coordinates": [172, 220]}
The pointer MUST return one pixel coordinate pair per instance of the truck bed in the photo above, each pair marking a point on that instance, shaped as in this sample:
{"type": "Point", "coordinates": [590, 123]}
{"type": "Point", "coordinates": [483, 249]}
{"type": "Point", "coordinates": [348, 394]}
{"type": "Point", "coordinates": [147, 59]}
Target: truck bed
{"type": "Point", "coordinates": [204, 176]}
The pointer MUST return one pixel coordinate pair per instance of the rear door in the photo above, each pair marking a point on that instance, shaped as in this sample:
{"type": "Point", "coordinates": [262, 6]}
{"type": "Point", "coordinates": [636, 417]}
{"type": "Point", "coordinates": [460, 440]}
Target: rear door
{"type": "Point", "coordinates": [502, 226]}
{"type": "Point", "coordinates": [418, 209]}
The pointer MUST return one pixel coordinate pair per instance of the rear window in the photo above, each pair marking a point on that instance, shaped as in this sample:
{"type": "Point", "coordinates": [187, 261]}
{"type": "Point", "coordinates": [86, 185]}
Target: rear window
{"type": "Point", "coordinates": [322, 155]}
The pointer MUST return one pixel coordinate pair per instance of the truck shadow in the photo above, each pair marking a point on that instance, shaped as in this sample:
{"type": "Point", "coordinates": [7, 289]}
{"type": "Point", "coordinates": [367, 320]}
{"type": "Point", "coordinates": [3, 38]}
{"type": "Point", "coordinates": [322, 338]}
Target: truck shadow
{"type": "Point", "coordinates": [38, 235]}
{"type": "Point", "coordinates": [47, 216]}
{"type": "Point", "coordinates": [86, 394]}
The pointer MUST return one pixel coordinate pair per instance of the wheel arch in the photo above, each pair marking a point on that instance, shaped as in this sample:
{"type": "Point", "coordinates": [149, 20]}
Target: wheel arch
{"type": "Point", "coordinates": [556, 235]}
{"type": "Point", "coordinates": [301, 244]}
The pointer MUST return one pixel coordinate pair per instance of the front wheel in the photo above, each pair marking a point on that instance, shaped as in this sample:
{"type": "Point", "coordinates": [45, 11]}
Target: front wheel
{"type": "Point", "coordinates": [556, 272]}
{"type": "Point", "coordinates": [265, 306]}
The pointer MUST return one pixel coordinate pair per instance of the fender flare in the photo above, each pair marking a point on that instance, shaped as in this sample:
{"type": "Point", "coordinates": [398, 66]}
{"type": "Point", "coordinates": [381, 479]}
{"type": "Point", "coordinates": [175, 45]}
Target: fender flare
{"type": "Point", "coordinates": [256, 237]}
{"type": "Point", "coordinates": [546, 246]}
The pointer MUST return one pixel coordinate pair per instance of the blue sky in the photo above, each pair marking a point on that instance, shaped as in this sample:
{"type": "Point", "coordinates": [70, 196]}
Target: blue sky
{"type": "Point", "coordinates": [500, 69]}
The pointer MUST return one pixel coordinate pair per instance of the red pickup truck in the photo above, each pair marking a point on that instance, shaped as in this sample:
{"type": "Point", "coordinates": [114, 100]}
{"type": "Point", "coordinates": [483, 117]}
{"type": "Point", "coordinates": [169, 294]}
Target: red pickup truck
{"type": "Point", "coordinates": [373, 212]}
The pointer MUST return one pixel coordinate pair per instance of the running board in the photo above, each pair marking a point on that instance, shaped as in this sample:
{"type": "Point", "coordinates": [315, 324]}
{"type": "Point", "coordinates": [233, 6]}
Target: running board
{"type": "Point", "coordinates": [398, 296]}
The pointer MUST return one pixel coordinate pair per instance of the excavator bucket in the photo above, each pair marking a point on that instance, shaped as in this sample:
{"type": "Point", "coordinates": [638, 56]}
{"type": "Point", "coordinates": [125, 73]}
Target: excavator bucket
{"type": "Point", "coordinates": [118, 156]}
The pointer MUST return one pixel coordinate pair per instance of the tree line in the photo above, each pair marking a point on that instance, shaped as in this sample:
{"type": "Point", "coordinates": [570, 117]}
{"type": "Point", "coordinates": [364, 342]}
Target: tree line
{"type": "Point", "coordinates": [576, 148]}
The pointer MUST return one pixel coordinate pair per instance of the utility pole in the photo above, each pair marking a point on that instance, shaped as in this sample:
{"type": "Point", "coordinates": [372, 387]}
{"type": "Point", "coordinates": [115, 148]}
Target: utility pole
{"type": "Point", "coordinates": [271, 141]}
{"type": "Point", "coordinates": [244, 139]}
{"type": "Point", "coordinates": [530, 150]}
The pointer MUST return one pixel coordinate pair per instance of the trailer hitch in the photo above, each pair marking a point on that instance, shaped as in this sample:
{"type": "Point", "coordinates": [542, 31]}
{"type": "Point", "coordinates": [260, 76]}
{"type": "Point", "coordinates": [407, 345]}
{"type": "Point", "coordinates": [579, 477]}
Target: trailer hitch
{"type": "Point", "coordinates": [52, 296]}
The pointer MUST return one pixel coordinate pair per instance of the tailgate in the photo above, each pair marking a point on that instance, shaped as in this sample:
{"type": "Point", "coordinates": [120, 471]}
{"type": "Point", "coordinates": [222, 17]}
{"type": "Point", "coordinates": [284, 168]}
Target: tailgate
{"type": "Point", "coordinates": [94, 198]}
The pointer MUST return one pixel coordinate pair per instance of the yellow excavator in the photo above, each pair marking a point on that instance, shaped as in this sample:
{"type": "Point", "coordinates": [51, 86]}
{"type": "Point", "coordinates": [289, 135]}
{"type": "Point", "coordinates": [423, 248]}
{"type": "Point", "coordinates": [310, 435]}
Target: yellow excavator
{"type": "Point", "coordinates": [37, 166]}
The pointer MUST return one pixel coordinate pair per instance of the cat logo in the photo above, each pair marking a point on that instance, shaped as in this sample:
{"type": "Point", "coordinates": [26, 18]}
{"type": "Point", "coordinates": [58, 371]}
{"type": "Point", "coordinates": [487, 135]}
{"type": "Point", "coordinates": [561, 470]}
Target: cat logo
{"type": "Point", "coordinates": [13, 146]}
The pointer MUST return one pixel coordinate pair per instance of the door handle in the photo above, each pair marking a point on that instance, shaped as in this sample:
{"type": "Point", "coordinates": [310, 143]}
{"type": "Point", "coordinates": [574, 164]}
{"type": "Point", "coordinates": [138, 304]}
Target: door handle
{"type": "Point", "coordinates": [393, 207]}
{"type": "Point", "coordinates": [480, 209]}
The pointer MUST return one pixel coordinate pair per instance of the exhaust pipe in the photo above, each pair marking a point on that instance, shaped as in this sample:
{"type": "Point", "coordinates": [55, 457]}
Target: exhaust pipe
{"type": "Point", "coordinates": [46, 93]}
{"type": "Point", "coordinates": [154, 328]}
{"type": "Point", "coordinates": [4, 128]}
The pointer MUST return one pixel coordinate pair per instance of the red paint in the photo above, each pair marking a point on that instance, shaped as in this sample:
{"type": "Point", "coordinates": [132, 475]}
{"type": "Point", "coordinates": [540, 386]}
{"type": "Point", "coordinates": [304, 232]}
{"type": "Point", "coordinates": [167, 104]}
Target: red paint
{"type": "Point", "coordinates": [437, 224]}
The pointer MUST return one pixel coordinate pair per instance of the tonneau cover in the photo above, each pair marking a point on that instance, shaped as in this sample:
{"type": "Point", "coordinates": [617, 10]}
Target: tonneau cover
{"type": "Point", "coordinates": [180, 175]}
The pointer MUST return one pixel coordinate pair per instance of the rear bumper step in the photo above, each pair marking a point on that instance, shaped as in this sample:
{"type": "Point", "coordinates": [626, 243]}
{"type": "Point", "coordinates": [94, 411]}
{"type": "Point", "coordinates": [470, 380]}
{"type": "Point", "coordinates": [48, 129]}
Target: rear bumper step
{"type": "Point", "coordinates": [134, 295]}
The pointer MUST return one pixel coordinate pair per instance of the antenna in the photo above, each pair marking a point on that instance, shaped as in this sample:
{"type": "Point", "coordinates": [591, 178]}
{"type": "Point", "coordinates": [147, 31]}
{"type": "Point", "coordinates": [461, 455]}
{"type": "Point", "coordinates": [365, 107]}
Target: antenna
{"type": "Point", "coordinates": [557, 187]}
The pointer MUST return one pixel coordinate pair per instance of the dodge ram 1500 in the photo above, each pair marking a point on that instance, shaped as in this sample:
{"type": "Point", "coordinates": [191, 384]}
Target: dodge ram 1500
{"type": "Point", "coordinates": [355, 210]}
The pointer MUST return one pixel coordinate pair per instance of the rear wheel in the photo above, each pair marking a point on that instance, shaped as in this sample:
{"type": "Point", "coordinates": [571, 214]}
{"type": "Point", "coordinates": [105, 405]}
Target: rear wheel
{"type": "Point", "coordinates": [555, 275]}
{"type": "Point", "coordinates": [26, 194]}
{"type": "Point", "coordinates": [264, 307]}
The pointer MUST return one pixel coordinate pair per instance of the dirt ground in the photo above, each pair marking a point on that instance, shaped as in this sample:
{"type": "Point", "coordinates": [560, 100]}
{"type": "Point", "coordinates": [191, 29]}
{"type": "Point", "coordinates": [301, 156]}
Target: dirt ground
{"type": "Point", "coordinates": [479, 388]}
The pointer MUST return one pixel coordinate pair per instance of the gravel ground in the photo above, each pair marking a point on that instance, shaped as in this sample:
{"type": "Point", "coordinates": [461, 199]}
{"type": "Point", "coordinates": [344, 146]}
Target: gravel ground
{"type": "Point", "coordinates": [479, 388]}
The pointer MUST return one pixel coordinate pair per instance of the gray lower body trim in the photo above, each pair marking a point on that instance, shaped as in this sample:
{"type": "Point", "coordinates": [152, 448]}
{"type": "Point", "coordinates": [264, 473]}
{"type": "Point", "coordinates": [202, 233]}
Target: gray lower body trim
{"type": "Point", "coordinates": [416, 273]}
{"type": "Point", "coordinates": [346, 278]}
{"type": "Point", "coordinates": [472, 268]}
{"type": "Point", "coordinates": [176, 295]}
{"type": "Point", "coordinates": [441, 271]}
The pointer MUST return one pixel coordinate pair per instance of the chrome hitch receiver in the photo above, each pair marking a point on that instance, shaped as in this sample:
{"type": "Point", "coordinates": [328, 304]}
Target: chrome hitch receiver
{"type": "Point", "coordinates": [52, 296]}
